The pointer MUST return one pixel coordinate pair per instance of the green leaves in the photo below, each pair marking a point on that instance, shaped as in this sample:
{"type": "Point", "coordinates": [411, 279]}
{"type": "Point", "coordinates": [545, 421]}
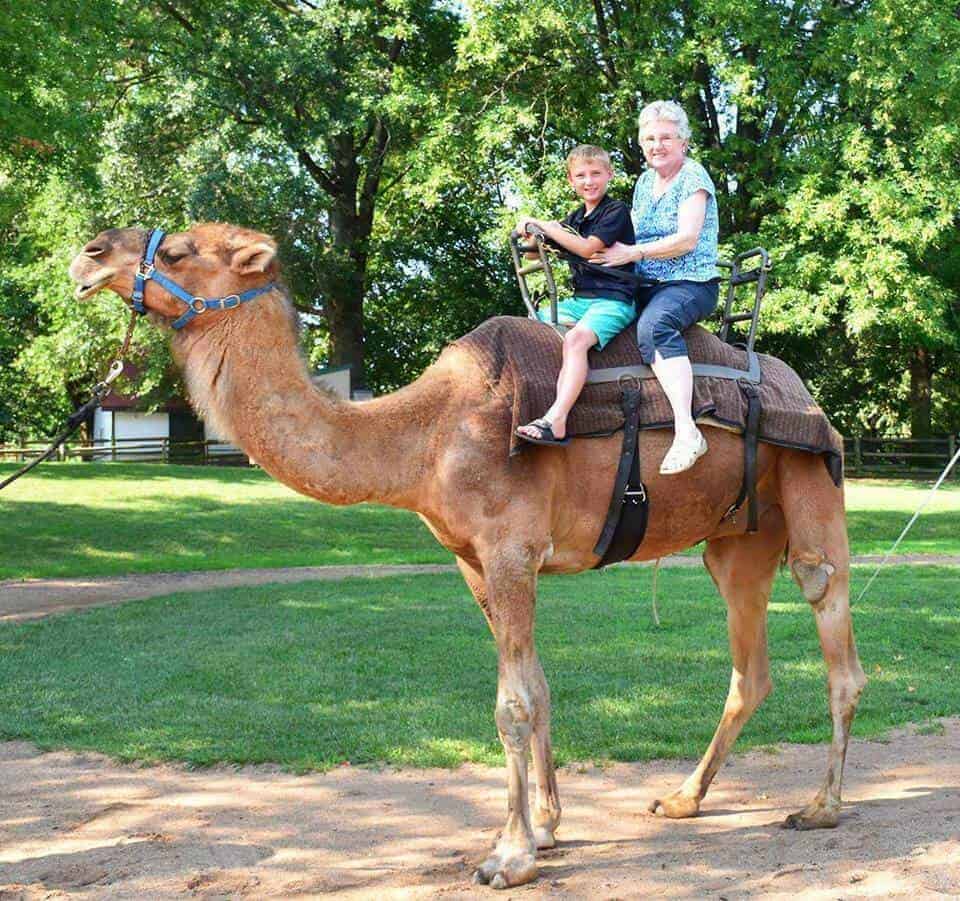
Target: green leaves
{"type": "Point", "coordinates": [390, 144]}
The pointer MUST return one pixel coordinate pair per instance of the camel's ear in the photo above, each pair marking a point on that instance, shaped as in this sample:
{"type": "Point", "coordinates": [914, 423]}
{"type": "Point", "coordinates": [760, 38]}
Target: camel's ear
{"type": "Point", "coordinates": [253, 258]}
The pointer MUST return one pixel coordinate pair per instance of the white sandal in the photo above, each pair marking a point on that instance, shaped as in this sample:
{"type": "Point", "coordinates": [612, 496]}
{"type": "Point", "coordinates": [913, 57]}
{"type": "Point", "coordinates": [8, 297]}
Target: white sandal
{"type": "Point", "coordinates": [683, 454]}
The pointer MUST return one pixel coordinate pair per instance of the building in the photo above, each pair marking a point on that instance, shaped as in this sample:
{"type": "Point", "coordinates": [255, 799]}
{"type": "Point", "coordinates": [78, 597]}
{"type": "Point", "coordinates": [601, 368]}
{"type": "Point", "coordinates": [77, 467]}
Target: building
{"type": "Point", "coordinates": [124, 431]}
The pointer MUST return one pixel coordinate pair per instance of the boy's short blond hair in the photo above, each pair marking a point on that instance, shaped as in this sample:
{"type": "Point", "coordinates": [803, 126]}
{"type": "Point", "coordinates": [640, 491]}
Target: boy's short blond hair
{"type": "Point", "coordinates": [584, 153]}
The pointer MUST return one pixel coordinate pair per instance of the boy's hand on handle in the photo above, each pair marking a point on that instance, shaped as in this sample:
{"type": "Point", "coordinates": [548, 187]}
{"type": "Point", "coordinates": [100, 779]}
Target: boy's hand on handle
{"type": "Point", "coordinates": [616, 254]}
{"type": "Point", "coordinates": [524, 224]}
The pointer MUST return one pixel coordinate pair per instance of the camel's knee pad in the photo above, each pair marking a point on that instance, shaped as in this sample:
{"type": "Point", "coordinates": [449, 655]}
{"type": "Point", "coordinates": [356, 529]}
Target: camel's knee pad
{"type": "Point", "coordinates": [514, 723]}
{"type": "Point", "coordinates": [812, 573]}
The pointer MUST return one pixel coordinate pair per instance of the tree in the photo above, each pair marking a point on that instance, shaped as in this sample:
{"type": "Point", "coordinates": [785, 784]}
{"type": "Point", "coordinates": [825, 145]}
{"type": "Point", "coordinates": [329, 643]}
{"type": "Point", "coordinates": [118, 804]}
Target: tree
{"type": "Point", "coordinates": [829, 129]}
{"type": "Point", "coordinates": [326, 100]}
{"type": "Point", "coordinates": [868, 235]}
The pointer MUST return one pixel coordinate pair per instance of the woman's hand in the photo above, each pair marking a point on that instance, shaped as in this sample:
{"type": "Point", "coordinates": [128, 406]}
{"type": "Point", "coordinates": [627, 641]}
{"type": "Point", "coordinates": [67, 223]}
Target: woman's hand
{"type": "Point", "coordinates": [616, 254]}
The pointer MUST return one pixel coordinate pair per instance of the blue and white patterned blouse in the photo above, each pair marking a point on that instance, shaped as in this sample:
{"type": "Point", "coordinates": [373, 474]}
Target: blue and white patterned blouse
{"type": "Point", "coordinates": [655, 219]}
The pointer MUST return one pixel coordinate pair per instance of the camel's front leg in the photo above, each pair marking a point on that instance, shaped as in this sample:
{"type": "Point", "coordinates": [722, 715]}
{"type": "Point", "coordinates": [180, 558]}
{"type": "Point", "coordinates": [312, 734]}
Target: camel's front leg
{"type": "Point", "coordinates": [506, 596]}
{"type": "Point", "coordinates": [546, 810]}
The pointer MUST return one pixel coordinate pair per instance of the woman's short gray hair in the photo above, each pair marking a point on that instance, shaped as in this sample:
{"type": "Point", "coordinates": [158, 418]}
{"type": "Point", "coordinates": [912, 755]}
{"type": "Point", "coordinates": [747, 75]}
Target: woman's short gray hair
{"type": "Point", "coordinates": [669, 110]}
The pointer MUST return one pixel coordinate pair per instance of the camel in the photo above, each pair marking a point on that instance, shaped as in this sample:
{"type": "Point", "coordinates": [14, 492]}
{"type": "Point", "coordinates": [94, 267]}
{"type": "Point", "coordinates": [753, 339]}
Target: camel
{"type": "Point", "coordinates": [439, 447]}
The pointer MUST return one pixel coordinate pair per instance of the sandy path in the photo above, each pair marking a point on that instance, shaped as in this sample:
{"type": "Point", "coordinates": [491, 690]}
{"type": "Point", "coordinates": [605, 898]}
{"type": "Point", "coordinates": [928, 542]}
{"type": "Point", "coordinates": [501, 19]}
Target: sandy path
{"type": "Point", "coordinates": [31, 598]}
{"type": "Point", "coordinates": [80, 826]}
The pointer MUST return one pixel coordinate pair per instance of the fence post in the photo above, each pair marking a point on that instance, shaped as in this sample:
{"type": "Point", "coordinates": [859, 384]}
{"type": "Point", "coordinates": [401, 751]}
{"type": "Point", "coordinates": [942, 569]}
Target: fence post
{"type": "Point", "coordinates": [857, 454]}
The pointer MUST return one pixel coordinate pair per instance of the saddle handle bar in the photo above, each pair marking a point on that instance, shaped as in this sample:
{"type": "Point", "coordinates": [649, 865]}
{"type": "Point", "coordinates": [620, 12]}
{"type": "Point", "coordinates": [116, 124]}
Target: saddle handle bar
{"type": "Point", "coordinates": [524, 269]}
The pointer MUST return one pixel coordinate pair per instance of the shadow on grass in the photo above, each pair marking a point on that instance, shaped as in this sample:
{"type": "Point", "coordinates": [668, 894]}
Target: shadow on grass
{"type": "Point", "coordinates": [138, 472]}
{"type": "Point", "coordinates": [166, 532]}
{"type": "Point", "coordinates": [404, 671]}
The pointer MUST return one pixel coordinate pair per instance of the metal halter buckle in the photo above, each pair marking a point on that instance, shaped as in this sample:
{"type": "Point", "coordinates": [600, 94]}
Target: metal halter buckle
{"type": "Point", "coordinates": [230, 301]}
{"type": "Point", "coordinates": [632, 494]}
{"type": "Point", "coordinates": [145, 270]}
{"type": "Point", "coordinates": [198, 305]}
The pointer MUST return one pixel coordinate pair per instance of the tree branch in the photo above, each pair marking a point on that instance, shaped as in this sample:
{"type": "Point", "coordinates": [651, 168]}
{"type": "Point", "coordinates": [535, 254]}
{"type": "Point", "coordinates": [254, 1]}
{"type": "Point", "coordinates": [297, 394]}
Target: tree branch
{"type": "Point", "coordinates": [176, 14]}
{"type": "Point", "coordinates": [319, 174]}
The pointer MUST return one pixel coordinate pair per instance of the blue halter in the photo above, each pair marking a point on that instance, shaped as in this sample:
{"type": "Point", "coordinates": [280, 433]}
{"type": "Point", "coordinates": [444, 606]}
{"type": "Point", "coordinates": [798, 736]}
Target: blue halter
{"type": "Point", "coordinates": [195, 305]}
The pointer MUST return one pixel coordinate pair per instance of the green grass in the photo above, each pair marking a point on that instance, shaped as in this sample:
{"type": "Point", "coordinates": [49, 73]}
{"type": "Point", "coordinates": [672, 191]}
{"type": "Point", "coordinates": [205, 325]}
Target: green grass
{"type": "Point", "coordinates": [877, 511]}
{"type": "Point", "coordinates": [403, 670]}
{"type": "Point", "coordinates": [94, 520]}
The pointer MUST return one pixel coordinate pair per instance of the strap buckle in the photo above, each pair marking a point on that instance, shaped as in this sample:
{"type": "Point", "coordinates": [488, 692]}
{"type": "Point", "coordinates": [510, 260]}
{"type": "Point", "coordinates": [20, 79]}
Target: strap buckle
{"type": "Point", "coordinates": [145, 269]}
{"type": "Point", "coordinates": [230, 301]}
{"type": "Point", "coordinates": [634, 493]}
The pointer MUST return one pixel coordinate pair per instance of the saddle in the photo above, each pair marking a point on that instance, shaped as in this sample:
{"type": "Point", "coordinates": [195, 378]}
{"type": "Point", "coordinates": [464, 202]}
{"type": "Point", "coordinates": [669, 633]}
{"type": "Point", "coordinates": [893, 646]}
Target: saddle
{"type": "Point", "coordinates": [521, 358]}
{"type": "Point", "coordinates": [752, 394]}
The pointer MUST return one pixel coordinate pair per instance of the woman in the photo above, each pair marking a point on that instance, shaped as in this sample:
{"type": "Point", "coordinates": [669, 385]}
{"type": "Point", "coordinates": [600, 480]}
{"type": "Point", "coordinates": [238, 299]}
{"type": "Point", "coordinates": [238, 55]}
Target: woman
{"type": "Point", "coordinates": [675, 217]}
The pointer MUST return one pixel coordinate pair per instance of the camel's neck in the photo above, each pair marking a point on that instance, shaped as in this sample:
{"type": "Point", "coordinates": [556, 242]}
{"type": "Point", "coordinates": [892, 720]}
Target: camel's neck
{"type": "Point", "coordinates": [246, 376]}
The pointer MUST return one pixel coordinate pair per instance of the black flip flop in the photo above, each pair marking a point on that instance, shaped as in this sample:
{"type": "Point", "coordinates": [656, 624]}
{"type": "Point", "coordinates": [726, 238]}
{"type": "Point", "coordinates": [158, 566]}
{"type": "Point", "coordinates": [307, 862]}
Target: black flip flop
{"type": "Point", "coordinates": [547, 437]}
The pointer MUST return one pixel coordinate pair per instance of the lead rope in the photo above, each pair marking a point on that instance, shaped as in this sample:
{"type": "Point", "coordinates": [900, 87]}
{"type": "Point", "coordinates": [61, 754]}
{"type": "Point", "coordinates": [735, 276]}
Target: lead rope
{"type": "Point", "coordinates": [913, 519]}
{"type": "Point", "coordinates": [78, 417]}
{"type": "Point", "coordinates": [653, 591]}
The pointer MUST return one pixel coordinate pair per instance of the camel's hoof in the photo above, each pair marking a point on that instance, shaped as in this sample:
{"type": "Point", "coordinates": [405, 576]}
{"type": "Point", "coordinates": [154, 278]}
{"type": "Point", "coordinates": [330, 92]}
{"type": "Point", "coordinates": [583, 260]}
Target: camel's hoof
{"type": "Point", "coordinates": [543, 838]}
{"type": "Point", "coordinates": [505, 871]}
{"type": "Point", "coordinates": [675, 807]}
{"type": "Point", "coordinates": [812, 818]}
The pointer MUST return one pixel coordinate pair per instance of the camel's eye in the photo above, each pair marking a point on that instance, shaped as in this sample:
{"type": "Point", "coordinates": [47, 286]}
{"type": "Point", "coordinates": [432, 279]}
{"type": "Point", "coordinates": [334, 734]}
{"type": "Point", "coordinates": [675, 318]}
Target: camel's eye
{"type": "Point", "coordinates": [176, 253]}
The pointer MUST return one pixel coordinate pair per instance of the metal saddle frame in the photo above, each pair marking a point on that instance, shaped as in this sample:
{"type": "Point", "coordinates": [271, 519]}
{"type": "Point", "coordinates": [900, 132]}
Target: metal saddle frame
{"type": "Point", "coordinates": [739, 275]}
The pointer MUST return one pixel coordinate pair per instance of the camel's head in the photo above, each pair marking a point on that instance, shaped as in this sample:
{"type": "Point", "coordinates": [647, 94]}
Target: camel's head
{"type": "Point", "coordinates": [208, 261]}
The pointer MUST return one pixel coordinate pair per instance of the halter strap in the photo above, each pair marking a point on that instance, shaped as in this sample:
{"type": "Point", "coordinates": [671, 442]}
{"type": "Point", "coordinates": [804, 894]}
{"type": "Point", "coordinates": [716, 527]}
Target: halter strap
{"type": "Point", "coordinates": [195, 305]}
{"type": "Point", "coordinates": [145, 269]}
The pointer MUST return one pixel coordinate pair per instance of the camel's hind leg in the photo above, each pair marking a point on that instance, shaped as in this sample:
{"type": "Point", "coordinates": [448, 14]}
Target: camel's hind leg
{"type": "Point", "coordinates": [819, 559]}
{"type": "Point", "coordinates": [743, 568]}
{"type": "Point", "coordinates": [506, 596]}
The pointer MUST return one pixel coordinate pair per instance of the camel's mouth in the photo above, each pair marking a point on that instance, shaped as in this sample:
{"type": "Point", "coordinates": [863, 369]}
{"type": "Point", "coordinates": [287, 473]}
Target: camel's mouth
{"type": "Point", "coordinates": [90, 286]}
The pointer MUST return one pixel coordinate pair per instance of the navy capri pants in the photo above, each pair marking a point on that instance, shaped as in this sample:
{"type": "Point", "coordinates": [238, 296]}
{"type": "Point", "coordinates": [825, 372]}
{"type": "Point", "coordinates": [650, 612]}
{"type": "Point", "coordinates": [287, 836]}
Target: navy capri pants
{"type": "Point", "coordinates": [669, 308]}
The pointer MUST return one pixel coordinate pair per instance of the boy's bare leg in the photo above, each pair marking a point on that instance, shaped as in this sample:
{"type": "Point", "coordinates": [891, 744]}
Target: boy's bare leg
{"type": "Point", "coordinates": [573, 374]}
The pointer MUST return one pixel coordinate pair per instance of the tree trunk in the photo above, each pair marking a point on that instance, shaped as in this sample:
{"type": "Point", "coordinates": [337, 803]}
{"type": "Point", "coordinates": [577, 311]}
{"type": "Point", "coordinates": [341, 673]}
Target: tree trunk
{"type": "Point", "coordinates": [344, 306]}
{"type": "Point", "coordinates": [920, 383]}
{"type": "Point", "coordinates": [350, 233]}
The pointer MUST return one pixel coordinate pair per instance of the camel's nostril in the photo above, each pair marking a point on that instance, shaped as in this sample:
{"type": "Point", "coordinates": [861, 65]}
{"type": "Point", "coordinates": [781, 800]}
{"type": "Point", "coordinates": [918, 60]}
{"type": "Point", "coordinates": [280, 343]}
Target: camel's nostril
{"type": "Point", "coordinates": [93, 249]}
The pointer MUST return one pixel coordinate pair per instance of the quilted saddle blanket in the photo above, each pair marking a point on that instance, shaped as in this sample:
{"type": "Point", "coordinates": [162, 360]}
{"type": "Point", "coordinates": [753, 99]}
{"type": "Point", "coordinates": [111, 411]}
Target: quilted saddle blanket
{"type": "Point", "coordinates": [520, 359]}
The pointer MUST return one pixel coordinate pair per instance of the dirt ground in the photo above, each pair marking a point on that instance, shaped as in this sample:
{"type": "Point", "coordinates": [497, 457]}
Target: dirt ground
{"type": "Point", "coordinates": [81, 826]}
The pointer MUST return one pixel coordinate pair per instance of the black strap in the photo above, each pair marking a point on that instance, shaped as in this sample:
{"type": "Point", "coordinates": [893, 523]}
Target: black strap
{"type": "Point", "coordinates": [626, 522]}
{"type": "Point", "coordinates": [751, 433]}
{"type": "Point", "coordinates": [73, 423]}
{"type": "Point", "coordinates": [78, 416]}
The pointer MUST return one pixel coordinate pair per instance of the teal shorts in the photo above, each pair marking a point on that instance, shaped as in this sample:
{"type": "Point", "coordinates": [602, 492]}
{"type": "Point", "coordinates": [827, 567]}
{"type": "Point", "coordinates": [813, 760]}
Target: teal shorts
{"type": "Point", "coordinates": [605, 318]}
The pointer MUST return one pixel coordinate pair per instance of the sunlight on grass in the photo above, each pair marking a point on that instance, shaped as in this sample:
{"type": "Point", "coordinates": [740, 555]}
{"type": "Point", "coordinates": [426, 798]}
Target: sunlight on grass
{"type": "Point", "coordinates": [403, 671]}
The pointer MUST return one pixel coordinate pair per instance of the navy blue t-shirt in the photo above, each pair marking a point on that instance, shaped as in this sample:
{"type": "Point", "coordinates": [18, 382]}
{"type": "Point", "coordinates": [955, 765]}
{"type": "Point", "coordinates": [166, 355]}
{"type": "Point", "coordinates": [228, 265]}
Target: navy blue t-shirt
{"type": "Point", "coordinates": [610, 222]}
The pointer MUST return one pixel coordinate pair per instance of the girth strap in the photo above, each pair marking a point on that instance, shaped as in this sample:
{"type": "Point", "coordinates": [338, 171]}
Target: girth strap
{"type": "Point", "coordinates": [626, 522]}
{"type": "Point", "coordinates": [748, 490]}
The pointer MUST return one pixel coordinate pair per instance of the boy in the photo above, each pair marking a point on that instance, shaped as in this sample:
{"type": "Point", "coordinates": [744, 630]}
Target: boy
{"type": "Point", "coordinates": [602, 305]}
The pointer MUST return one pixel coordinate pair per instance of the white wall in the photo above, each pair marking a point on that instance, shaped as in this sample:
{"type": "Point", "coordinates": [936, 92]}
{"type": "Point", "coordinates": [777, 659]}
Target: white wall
{"type": "Point", "coordinates": [126, 424]}
{"type": "Point", "coordinates": [337, 380]}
